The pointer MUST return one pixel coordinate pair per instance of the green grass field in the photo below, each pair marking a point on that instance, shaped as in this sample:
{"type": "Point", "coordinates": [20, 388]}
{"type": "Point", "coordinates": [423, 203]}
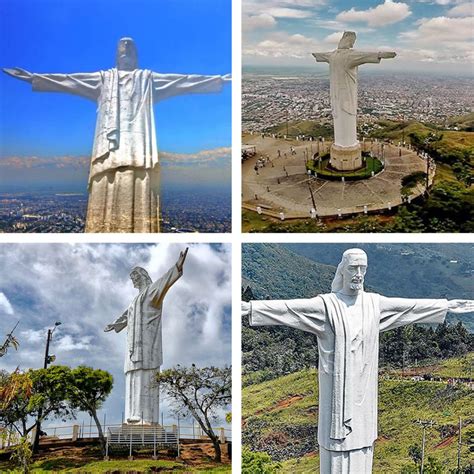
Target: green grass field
{"type": "Point", "coordinates": [275, 406]}
{"type": "Point", "coordinates": [116, 466]}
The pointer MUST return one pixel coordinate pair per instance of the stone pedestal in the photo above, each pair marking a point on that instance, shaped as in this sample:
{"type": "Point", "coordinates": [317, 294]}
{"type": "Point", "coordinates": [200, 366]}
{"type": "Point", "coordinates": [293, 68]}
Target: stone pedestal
{"type": "Point", "coordinates": [346, 158]}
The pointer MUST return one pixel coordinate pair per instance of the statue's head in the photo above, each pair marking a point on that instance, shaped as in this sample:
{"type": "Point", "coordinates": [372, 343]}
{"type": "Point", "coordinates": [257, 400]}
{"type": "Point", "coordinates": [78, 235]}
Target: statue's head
{"type": "Point", "coordinates": [347, 41]}
{"type": "Point", "coordinates": [127, 55]}
{"type": "Point", "coordinates": [140, 278]}
{"type": "Point", "coordinates": [350, 272]}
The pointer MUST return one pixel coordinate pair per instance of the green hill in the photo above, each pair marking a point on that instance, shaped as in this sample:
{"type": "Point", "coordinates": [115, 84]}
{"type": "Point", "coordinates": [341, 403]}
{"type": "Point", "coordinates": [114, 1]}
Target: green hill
{"type": "Point", "coordinates": [303, 127]}
{"type": "Point", "coordinates": [463, 122]}
{"type": "Point", "coordinates": [279, 417]}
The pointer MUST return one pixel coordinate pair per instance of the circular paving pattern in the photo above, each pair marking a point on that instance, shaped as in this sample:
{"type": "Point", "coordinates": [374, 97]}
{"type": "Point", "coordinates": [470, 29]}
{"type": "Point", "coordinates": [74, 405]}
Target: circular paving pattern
{"type": "Point", "coordinates": [275, 180]}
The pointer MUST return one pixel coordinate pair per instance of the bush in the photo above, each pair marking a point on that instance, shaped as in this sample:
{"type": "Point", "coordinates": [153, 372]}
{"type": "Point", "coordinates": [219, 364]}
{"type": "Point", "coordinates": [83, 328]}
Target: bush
{"type": "Point", "coordinates": [257, 462]}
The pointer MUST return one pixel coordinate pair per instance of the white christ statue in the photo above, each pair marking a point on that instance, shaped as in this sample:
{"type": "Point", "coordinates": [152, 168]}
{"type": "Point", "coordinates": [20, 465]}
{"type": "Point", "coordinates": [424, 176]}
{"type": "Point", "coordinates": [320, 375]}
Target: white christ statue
{"type": "Point", "coordinates": [144, 355]}
{"type": "Point", "coordinates": [347, 323]}
{"type": "Point", "coordinates": [343, 64]}
{"type": "Point", "coordinates": [124, 172]}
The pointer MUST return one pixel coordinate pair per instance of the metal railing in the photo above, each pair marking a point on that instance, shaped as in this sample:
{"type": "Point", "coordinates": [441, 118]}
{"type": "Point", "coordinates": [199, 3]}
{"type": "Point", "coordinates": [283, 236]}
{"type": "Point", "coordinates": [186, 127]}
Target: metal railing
{"type": "Point", "coordinates": [89, 430]}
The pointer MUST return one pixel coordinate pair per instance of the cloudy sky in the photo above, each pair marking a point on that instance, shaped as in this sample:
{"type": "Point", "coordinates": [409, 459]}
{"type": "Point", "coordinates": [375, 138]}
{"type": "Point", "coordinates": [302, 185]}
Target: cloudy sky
{"type": "Point", "coordinates": [88, 286]}
{"type": "Point", "coordinates": [428, 35]}
{"type": "Point", "coordinates": [49, 136]}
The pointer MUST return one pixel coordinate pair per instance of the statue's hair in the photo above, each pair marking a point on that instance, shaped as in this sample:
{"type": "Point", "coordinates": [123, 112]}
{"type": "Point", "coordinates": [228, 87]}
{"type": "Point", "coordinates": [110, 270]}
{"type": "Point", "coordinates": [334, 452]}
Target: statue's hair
{"type": "Point", "coordinates": [338, 281]}
{"type": "Point", "coordinates": [347, 40]}
{"type": "Point", "coordinates": [141, 271]}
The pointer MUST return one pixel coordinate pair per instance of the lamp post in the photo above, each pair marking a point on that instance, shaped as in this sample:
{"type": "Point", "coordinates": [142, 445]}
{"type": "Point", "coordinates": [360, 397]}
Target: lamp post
{"type": "Point", "coordinates": [47, 360]}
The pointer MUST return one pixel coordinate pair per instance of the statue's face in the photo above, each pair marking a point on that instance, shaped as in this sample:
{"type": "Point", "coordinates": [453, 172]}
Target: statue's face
{"type": "Point", "coordinates": [127, 56]}
{"type": "Point", "coordinates": [138, 280]}
{"type": "Point", "coordinates": [354, 272]}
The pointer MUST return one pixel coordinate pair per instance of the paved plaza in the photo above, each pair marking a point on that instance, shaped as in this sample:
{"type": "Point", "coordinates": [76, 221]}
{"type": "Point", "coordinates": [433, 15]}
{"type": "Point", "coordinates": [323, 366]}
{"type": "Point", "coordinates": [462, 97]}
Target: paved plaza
{"type": "Point", "coordinates": [275, 179]}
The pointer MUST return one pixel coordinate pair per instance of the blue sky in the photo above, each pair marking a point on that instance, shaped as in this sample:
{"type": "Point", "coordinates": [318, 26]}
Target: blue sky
{"type": "Point", "coordinates": [88, 286]}
{"type": "Point", "coordinates": [428, 35]}
{"type": "Point", "coordinates": [179, 36]}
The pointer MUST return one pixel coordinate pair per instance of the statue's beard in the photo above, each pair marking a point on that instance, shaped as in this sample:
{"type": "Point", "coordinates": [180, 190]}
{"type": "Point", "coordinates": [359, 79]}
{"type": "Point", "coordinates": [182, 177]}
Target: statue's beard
{"type": "Point", "coordinates": [357, 284]}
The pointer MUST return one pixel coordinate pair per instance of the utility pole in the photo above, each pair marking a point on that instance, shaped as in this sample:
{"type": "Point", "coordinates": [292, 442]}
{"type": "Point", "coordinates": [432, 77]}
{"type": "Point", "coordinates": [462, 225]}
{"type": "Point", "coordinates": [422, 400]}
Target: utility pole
{"type": "Point", "coordinates": [47, 360]}
{"type": "Point", "coordinates": [459, 445]}
{"type": "Point", "coordinates": [425, 424]}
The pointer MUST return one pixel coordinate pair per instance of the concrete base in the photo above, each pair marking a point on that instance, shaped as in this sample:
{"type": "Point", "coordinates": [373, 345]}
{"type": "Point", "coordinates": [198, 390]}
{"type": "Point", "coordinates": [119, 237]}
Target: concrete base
{"type": "Point", "coordinates": [346, 158]}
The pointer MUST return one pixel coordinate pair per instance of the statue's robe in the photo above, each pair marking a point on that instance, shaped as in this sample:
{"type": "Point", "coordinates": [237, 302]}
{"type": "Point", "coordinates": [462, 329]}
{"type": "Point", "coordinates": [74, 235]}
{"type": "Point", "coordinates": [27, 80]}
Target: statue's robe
{"type": "Point", "coordinates": [124, 172]}
{"type": "Point", "coordinates": [343, 64]}
{"type": "Point", "coordinates": [144, 355]}
{"type": "Point", "coordinates": [348, 342]}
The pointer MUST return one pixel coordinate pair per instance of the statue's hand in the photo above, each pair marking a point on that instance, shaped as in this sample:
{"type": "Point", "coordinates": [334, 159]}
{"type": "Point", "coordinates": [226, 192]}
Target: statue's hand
{"type": "Point", "coordinates": [461, 306]}
{"type": "Point", "coordinates": [227, 78]}
{"type": "Point", "coordinates": [387, 55]}
{"type": "Point", "coordinates": [245, 307]}
{"type": "Point", "coordinates": [181, 259]}
{"type": "Point", "coordinates": [19, 73]}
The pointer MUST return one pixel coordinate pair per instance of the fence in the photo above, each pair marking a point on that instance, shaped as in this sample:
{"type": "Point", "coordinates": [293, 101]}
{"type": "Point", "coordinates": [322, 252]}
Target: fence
{"type": "Point", "coordinates": [89, 430]}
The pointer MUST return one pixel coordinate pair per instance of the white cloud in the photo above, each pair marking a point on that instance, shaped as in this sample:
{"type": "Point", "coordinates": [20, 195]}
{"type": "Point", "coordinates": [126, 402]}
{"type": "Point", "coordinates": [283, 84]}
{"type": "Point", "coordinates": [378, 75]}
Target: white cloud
{"type": "Point", "coordinates": [257, 22]}
{"type": "Point", "coordinates": [334, 37]}
{"type": "Point", "coordinates": [440, 30]}
{"type": "Point", "coordinates": [464, 9]}
{"type": "Point", "coordinates": [282, 44]}
{"type": "Point", "coordinates": [283, 12]}
{"type": "Point", "coordinates": [384, 14]}
{"type": "Point", "coordinates": [439, 39]}
{"type": "Point", "coordinates": [282, 8]}
{"type": "Point", "coordinates": [5, 306]}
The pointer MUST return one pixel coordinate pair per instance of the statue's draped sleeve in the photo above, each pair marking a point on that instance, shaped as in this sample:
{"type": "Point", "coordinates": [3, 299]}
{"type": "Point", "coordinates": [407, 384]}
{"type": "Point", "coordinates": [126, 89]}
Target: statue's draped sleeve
{"type": "Point", "coordinates": [321, 57]}
{"type": "Point", "coordinates": [86, 85]}
{"type": "Point", "coordinates": [159, 288]}
{"type": "Point", "coordinates": [398, 312]}
{"type": "Point", "coordinates": [170, 85]}
{"type": "Point", "coordinates": [305, 314]}
{"type": "Point", "coordinates": [362, 57]}
{"type": "Point", "coordinates": [120, 323]}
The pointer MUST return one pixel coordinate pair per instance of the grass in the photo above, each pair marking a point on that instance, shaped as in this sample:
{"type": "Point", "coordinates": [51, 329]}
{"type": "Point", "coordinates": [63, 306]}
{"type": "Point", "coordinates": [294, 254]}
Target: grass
{"type": "Point", "coordinates": [252, 222]}
{"type": "Point", "coordinates": [371, 164]}
{"type": "Point", "coordinates": [116, 466]}
{"type": "Point", "coordinates": [303, 127]}
{"type": "Point", "coordinates": [401, 402]}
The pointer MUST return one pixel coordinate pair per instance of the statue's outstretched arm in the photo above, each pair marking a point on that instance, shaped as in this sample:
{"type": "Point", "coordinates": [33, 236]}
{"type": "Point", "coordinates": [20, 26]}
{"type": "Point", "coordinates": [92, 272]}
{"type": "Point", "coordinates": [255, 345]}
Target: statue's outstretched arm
{"type": "Point", "coordinates": [19, 73]}
{"type": "Point", "coordinates": [159, 288]}
{"type": "Point", "coordinates": [364, 57]}
{"type": "Point", "coordinates": [85, 84]}
{"type": "Point", "coordinates": [170, 85]}
{"type": "Point", "coordinates": [321, 57]}
{"type": "Point", "coordinates": [306, 314]}
{"type": "Point", "coordinates": [119, 324]}
{"type": "Point", "coordinates": [461, 306]}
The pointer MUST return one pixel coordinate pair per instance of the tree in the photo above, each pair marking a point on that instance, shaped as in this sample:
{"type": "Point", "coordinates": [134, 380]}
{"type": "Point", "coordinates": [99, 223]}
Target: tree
{"type": "Point", "coordinates": [201, 392]}
{"type": "Point", "coordinates": [87, 390]}
{"type": "Point", "coordinates": [36, 394]}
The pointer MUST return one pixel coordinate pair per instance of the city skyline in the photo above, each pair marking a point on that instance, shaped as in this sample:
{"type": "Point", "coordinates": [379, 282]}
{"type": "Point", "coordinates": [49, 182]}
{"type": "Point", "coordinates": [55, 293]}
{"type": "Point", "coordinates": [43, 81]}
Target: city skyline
{"type": "Point", "coordinates": [433, 36]}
